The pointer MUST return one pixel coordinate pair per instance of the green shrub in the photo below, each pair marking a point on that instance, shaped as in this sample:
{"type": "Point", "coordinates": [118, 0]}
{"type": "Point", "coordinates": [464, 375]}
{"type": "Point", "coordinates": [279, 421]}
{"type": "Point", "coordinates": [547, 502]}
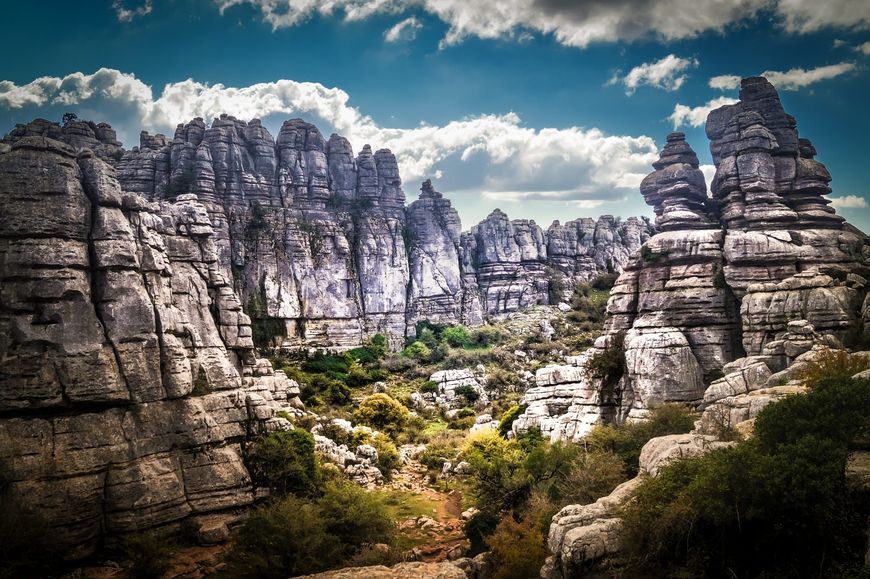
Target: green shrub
{"type": "Point", "coordinates": [650, 256]}
{"type": "Point", "coordinates": [555, 285]}
{"type": "Point", "coordinates": [468, 393]}
{"type": "Point", "coordinates": [486, 336]}
{"type": "Point", "coordinates": [626, 440]}
{"type": "Point", "coordinates": [417, 351]}
{"type": "Point", "coordinates": [384, 413]}
{"type": "Point", "coordinates": [604, 281]}
{"type": "Point", "coordinates": [831, 365]}
{"type": "Point", "coordinates": [608, 367]}
{"type": "Point", "coordinates": [284, 462]}
{"type": "Point", "coordinates": [295, 536]}
{"type": "Point", "coordinates": [508, 418]}
{"type": "Point", "coordinates": [776, 505]}
{"type": "Point", "coordinates": [457, 337]}
{"type": "Point", "coordinates": [322, 363]}
{"type": "Point", "coordinates": [388, 455]}
{"type": "Point", "coordinates": [429, 387]}
{"type": "Point", "coordinates": [517, 549]}
{"type": "Point", "coordinates": [147, 555]}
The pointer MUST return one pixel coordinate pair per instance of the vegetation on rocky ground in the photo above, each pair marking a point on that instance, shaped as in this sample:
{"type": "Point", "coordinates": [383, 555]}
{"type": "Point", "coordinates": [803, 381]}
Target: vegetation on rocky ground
{"type": "Point", "coordinates": [776, 505]}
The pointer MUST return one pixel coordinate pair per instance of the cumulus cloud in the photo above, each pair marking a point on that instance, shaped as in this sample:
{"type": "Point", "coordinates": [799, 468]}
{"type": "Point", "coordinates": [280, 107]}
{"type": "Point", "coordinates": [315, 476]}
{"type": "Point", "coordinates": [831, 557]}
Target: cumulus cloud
{"type": "Point", "coordinates": [684, 115]}
{"type": "Point", "coordinates": [725, 82]}
{"type": "Point", "coordinates": [406, 30]}
{"type": "Point", "coordinates": [797, 78]}
{"type": "Point", "coordinates": [848, 202]}
{"type": "Point", "coordinates": [864, 48]}
{"type": "Point", "coordinates": [493, 153]}
{"type": "Point", "coordinates": [571, 23]}
{"type": "Point", "coordinates": [125, 14]}
{"type": "Point", "coordinates": [793, 79]}
{"type": "Point", "coordinates": [667, 74]}
{"type": "Point", "coordinates": [574, 23]}
{"type": "Point", "coordinates": [805, 16]}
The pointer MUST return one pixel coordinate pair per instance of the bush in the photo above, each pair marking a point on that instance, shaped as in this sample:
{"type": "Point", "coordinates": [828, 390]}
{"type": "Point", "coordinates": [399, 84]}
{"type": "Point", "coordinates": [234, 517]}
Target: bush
{"type": "Point", "coordinates": [388, 455]}
{"type": "Point", "coordinates": [604, 281]}
{"type": "Point", "coordinates": [508, 418]}
{"type": "Point", "coordinates": [284, 462]}
{"type": "Point", "coordinates": [517, 549]}
{"type": "Point", "coordinates": [457, 337]}
{"type": "Point", "coordinates": [626, 440]}
{"type": "Point", "coordinates": [417, 351]}
{"type": "Point", "coordinates": [776, 505]}
{"type": "Point", "coordinates": [147, 555]}
{"type": "Point", "coordinates": [384, 413]}
{"type": "Point", "coordinates": [831, 365]}
{"type": "Point", "coordinates": [295, 536]}
{"type": "Point", "coordinates": [468, 393]}
{"type": "Point", "coordinates": [608, 366]}
{"type": "Point", "coordinates": [429, 387]}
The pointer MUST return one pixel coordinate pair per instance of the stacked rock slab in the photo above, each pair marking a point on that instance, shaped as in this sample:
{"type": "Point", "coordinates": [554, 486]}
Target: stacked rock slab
{"type": "Point", "coordinates": [128, 381]}
{"type": "Point", "coordinates": [728, 271]}
{"type": "Point", "coordinates": [435, 292]}
{"type": "Point", "coordinates": [318, 242]}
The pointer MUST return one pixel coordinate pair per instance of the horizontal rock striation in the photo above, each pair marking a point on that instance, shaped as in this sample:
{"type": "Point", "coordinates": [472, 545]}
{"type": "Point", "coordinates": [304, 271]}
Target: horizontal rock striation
{"type": "Point", "coordinates": [729, 271]}
{"type": "Point", "coordinates": [135, 283]}
{"type": "Point", "coordinates": [128, 380]}
{"type": "Point", "coordinates": [318, 243]}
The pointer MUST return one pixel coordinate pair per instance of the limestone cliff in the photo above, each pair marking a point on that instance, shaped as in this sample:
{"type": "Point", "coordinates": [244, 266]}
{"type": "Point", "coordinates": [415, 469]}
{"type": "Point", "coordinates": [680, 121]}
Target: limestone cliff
{"type": "Point", "coordinates": [726, 273]}
{"type": "Point", "coordinates": [128, 381]}
{"type": "Point", "coordinates": [129, 385]}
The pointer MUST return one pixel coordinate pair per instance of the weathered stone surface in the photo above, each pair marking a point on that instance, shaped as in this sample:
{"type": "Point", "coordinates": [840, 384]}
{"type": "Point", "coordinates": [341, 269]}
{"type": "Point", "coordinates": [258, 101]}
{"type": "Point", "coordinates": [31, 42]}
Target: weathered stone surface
{"type": "Point", "coordinates": [127, 373]}
{"type": "Point", "coordinates": [444, 570]}
{"type": "Point", "coordinates": [762, 267]}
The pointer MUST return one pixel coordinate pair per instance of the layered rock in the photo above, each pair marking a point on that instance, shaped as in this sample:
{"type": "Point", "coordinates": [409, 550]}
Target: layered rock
{"type": "Point", "coordinates": [128, 381]}
{"type": "Point", "coordinates": [509, 265]}
{"type": "Point", "coordinates": [730, 270]}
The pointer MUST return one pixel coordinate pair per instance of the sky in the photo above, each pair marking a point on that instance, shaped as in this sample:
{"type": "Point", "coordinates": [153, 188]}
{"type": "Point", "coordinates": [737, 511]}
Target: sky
{"type": "Point", "coordinates": [547, 109]}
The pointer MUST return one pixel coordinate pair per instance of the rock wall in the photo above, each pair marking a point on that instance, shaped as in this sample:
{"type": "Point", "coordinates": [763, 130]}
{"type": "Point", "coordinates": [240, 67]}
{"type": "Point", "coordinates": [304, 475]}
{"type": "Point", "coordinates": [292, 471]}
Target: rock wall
{"type": "Point", "coordinates": [128, 381]}
{"type": "Point", "coordinates": [318, 242]}
{"type": "Point", "coordinates": [727, 272]}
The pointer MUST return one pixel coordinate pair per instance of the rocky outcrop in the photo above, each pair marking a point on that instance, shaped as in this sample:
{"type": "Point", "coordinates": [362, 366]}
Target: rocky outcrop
{"type": "Point", "coordinates": [318, 243]}
{"type": "Point", "coordinates": [514, 264]}
{"type": "Point", "coordinates": [730, 272]}
{"type": "Point", "coordinates": [128, 374]}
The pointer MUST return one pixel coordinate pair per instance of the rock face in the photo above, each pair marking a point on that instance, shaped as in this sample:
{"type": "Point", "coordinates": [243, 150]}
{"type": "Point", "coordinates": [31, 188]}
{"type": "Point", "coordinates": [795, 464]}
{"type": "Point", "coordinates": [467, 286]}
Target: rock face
{"type": "Point", "coordinates": [129, 384]}
{"type": "Point", "coordinates": [128, 381]}
{"type": "Point", "coordinates": [318, 243]}
{"type": "Point", "coordinates": [730, 273]}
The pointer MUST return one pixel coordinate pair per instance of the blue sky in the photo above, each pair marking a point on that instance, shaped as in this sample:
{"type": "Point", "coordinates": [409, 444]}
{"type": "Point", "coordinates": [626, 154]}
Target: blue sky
{"type": "Point", "coordinates": [548, 109]}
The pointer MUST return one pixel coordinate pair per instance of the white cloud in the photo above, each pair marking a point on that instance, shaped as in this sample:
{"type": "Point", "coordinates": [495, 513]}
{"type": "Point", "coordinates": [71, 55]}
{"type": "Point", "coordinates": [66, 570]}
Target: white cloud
{"type": "Point", "coordinates": [848, 202]}
{"type": "Point", "coordinates": [571, 23]}
{"type": "Point", "coordinates": [494, 153]}
{"type": "Point", "coordinates": [792, 79]}
{"type": "Point", "coordinates": [406, 30]}
{"type": "Point", "coordinates": [803, 16]}
{"type": "Point", "coordinates": [864, 48]}
{"type": "Point", "coordinates": [578, 23]}
{"type": "Point", "coordinates": [709, 172]}
{"type": "Point", "coordinates": [796, 78]}
{"type": "Point", "coordinates": [725, 82]}
{"type": "Point", "coordinates": [697, 116]}
{"type": "Point", "coordinates": [125, 14]}
{"type": "Point", "coordinates": [666, 74]}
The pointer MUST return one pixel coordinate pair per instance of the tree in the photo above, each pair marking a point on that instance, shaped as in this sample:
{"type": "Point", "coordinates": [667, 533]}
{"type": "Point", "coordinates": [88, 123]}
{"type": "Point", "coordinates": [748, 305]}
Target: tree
{"type": "Point", "coordinates": [68, 118]}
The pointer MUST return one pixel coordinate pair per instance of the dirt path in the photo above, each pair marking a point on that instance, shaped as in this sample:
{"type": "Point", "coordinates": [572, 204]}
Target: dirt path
{"type": "Point", "coordinates": [437, 536]}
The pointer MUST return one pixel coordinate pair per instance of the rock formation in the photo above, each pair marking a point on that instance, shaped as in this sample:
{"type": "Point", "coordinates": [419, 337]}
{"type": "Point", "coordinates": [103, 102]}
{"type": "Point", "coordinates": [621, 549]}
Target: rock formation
{"type": "Point", "coordinates": [128, 380]}
{"type": "Point", "coordinates": [726, 274]}
{"type": "Point", "coordinates": [129, 384]}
